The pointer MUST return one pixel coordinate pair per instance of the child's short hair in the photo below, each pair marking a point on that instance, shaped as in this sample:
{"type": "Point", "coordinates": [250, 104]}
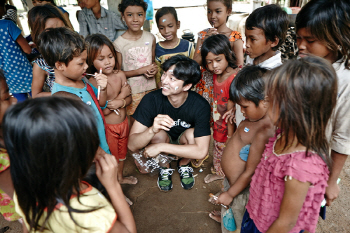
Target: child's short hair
{"type": "Point", "coordinates": [329, 22]}
{"type": "Point", "coordinates": [95, 44]}
{"type": "Point", "coordinates": [60, 45]}
{"type": "Point", "coordinates": [166, 10]}
{"type": "Point", "coordinates": [185, 69]}
{"type": "Point", "coordinates": [304, 92]}
{"type": "Point", "coordinates": [125, 3]}
{"type": "Point", "coordinates": [218, 44]}
{"type": "Point", "coordinates": [248, 84]}
{"type": "Point", "coordinates": [51, 142]}
{"type": "Point", "coordinates": [272, 20]}
{"type": "Point", "coordinates": [37, 17]}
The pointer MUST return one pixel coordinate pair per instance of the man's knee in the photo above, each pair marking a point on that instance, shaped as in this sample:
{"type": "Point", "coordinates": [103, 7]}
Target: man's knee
{"type": "Point", "coordinates": [187, 137]}
{"type": "Point", "coordinates": [160, 137]}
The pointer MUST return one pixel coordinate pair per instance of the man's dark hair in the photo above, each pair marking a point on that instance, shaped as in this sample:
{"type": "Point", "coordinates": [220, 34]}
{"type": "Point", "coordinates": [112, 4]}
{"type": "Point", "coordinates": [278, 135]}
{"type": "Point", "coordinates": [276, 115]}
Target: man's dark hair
{"type": "Point", "coordinates": [248, 84]}
{"type": "Point", "coordinates": [166, 10]}
{"type": "Point", "coordinates": [185, 69]}
{"type": "Point", "coordinates": [125, 3]}
{"type": "Point", "coordinates": [272, 20]}
{"type": "Point", "coordinates": [60, 45]}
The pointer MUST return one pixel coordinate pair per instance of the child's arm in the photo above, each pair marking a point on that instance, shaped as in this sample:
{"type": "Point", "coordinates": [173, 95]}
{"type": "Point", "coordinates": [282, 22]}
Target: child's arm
{"type": "Point", "coordinates": [101, 81]}
{"type": "Point", "coordinates": [237, 48]}
{"type": "Point", "coordinates": [256, 150]}
{"type": "Point", "coordinates": [23, 43]}
{"type": "Point", "coordinates": [39, 76]}
{"type": "Point", "coordinates": [197, 53]}
{"type": "Point", "coordinates": [106, 171]}
{"type": "Point", "coordinates": [230, 126]}
{"type": "Point", "coordinates": [133, 73]}
{"type": "Point", "coordinates": [293, 199]}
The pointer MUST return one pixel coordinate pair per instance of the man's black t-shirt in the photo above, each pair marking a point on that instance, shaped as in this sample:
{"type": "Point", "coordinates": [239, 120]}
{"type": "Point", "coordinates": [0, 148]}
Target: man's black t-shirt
{"type": "Point", "coordinates": [193, 113]}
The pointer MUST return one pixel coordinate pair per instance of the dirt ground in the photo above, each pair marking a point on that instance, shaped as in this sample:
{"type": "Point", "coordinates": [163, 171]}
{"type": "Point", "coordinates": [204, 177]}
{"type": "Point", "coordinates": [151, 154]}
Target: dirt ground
{"type": "Point", "coordinates": [187, 210]}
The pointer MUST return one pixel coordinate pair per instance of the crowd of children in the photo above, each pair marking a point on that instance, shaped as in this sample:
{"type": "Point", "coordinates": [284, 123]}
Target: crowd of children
{"type": "Point", "coordinates": [280, 130]}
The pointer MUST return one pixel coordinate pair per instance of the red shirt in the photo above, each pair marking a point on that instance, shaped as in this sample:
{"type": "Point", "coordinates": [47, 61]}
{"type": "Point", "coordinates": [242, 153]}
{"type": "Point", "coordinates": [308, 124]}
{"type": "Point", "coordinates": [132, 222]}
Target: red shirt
{"type": "Point", "coordinates": [221, 97]}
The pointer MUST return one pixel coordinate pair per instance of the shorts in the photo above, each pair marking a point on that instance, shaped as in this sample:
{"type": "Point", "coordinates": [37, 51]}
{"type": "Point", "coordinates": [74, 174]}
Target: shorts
{"type": "Point", "coordinates": [117, 139]}
{"type": "Point", "coordinates": [244, 152]}
{"type": "Point", "coordinates": [237, 205]}
{"type": "Point", "coordinates": [136, 99]}
{"type": "Point", "coordinates": [177, 141]}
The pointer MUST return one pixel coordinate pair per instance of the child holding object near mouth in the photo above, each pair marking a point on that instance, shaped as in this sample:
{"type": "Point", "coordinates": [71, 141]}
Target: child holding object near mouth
{"type": "Point", "coordinates": [136, 52]}
{"type": "Point", "coordinates": [168, 24]}
{"type": "Point", "coordinates": [102, 56]}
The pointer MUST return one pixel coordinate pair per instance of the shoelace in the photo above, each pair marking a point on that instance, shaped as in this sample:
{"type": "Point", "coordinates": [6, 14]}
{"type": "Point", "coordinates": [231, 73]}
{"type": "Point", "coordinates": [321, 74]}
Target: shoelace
{"type": "Point", "coordinates": [184, 171]}
{"type": "Point", "coordinates": [165, 172]}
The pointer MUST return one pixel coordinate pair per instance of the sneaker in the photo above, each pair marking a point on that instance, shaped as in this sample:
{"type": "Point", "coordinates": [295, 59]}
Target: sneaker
{"type": "Point", "coordinates": [186, 177]}
{"type": "Point", "coordinates": [164, 179]}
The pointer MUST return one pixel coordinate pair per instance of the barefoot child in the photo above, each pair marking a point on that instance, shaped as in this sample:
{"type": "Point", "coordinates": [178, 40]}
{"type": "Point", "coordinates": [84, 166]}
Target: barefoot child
{"type": "Point", "coordinates": [323, 29]}
{"type": "Point", "coordinates": [6, 186]}
{"type": "Point", "coordinates": [168, 24]}
{"type": "Point", "coordinates": [290, 181]}
{"type": "Point", "coordinates": [136, 52]}
{"type": "Point", "coordinates": [218, 58]}
{"type": "Point", "coordinates": [243, 151]}
{"type": "Point", "coordinates": [65, 50]}
{"type": "Point", "coordinates": [52, 143]}
{"type": "Point", "coordinates": [102, 55]}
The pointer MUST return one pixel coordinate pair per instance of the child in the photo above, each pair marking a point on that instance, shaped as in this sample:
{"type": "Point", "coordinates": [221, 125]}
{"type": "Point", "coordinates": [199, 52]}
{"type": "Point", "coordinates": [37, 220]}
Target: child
{"type": "Point", "coordinates": [168, 25]}
{"type": "Point", "coordinates": [63, 11]}
{"type": "Point", "coordinates": [6, 187]}
{"type": "Point", "coordinates": [65, 50]}
{"type": "Point", "coordinates": [290, 181]}
{"type": "Point", "coordinates": [52, 143]}
{"type": "Point", "coordinates": [218, 58]}
{"type": "Point", "coordinates": [18, 71]}
{"type": "Point", "coordinates": [218, 12]}
{"type": "Point", "coordinates": [102, 55]}
{"type": "Point", "coordinates": [40, 18]}
{"type": "Point", "coordinates": [265, 30]}
{"type": "Point", "coordinates": [247, 90]}
{"type": "Point", "coordinates": [323, 30]}
{"type": "Point", "coordinates": [94, 18]}
{"type": "Point", "coordinates": [136, 52]}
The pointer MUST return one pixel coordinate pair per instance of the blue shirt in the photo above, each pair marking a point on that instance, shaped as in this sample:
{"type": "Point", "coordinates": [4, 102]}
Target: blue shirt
{"type": "Point", "coordinates": [13, 61]}
{"type": "Point", "coordinates": [85, 96]}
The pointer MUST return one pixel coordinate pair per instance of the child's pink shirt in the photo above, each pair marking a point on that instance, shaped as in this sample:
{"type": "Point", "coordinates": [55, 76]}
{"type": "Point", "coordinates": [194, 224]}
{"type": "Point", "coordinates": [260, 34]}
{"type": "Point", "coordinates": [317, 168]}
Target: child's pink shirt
{"type": "Point", "coordinates": [267, 187]}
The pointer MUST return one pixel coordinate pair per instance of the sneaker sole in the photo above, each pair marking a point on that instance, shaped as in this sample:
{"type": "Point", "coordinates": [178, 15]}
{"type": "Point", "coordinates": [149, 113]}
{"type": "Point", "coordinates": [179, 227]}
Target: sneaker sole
{"type": "Point", "coordinates": [194, 181]}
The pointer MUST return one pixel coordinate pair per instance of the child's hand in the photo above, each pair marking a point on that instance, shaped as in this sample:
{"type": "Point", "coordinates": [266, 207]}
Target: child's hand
{"type": "Point", "coordinates": [224, 199]}
{"type": "Point", "coordinates": [151, 71]}
{"type": "Point", "coordinates": [115, 104]}
{"type": "Point", "coordinates": [211, 31]}
{"type": "Point", "coordinates": [101, 81]}
{"type": "Point", "coordinates": [230, 116]}
{"type": "Point", "coordinates": [107, 170]}
{"type": "Point", "coordinates": [126, 89]}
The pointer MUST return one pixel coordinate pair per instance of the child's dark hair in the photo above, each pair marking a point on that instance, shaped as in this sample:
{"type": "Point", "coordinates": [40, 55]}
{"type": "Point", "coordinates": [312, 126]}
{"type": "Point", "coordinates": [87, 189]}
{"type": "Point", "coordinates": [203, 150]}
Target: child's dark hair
{"type": "Point", "coordinates": [60, 45]}
{"type": "Point", "coordinates": [272, 20]}
{"type": "Point", "coordinates": [218, 44]}
{"type": "Point", "coordinates": [248, 84]}
{"type": "Point", "coordinates": [304, 93]}
{"type": "Point", "coordinates": [51, 143]}
{"type": "Point", "coordinates": [95, 44]}
{"type": "Point", "coordinates": [329, 22]}
{"type": "Point", "coordinates": [185, 69]}
{"type": "Point", "coordinates": [37, 17]}
{"type": "Point", "coordinates": [125, 3]}
{"type": "Point", "coordinates": [166, 10]}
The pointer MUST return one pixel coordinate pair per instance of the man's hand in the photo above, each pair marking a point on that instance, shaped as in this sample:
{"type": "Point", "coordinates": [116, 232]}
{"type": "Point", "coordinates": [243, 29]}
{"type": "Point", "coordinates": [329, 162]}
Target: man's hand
{"type": "Point", "coordinates": [163, 122]}
{"type": "Point", "coordinates": [332, 192]}
{"type": "Point", "coordinates": [224, 198]}
{"type": "Point", "coordinates": [152, 150]}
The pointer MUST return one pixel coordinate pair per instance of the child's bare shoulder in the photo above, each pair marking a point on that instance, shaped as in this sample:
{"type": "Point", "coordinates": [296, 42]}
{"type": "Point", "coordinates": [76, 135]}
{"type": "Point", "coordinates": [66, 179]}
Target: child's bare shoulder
{"type": "Point", "coordinates": [116, 77]}
{"type": "Point", "coordinates": [264, 132]}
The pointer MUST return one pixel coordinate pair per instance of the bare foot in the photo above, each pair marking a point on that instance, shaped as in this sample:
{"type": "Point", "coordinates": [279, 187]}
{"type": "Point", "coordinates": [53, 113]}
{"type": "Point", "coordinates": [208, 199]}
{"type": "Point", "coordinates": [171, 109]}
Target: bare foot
{"type": "Point", "coordinates": [128, 201]}
{"type": "Point", "coordinates": [215, 215]}
{"type": "Point", "coordinates": [128, 180]}
{"type": "Point", "coordinates": [211, 177]}
{"type": "Point", "coordinates": [212, 199]}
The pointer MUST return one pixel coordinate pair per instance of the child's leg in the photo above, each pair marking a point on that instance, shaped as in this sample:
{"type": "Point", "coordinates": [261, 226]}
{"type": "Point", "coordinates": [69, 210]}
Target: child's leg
{"type": "Point", "coordinates": [217, 154]}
